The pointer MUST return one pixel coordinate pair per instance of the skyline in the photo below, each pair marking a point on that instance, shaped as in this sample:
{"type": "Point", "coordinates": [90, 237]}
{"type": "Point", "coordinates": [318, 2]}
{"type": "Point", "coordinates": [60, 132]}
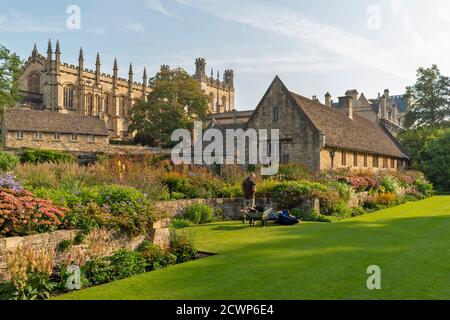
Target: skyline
{"type": "Point", "coordinates": [314, 47]}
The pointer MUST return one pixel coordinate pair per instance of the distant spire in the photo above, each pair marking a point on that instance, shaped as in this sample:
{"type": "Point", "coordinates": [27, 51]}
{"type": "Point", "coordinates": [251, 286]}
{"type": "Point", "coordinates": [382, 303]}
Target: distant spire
{"type": "Point", "coordinates": [218, 76]}
{"type": "Point", "coordinates": [35, 48]}
{"type": "Point", "coordinates": [81, 57]}
{"type": "Point", "coordinates": [97, 61]}
{"type": "Point", "coordinates": [58, 49]}
{"type": "Point", "coordinates": [144, 75]}
{"type": "Point", "coordinates": [131, 69]}
{"type": "Point", "coordinates": [115, 64]}
{"type": "Point", "coordinates": [212, 73]}
{"type": "Point", "coordinates": [49, 48]}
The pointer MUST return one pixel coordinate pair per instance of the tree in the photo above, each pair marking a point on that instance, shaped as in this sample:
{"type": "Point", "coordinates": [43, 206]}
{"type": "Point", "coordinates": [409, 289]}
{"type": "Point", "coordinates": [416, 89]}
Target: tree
{"type": "Point", "coordinates": [430, 98]}
{"type": "Point", "coordinates": [10, 69]}
{"type": "Point", "coordinates": [176, 101]}
{"type": "Point", "coordinates": [430, 150]}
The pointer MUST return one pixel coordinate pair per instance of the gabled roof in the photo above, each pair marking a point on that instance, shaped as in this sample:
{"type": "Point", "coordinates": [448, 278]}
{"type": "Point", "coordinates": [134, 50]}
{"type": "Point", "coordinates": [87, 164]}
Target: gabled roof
{"type": "Point", "coordinates": [16, 119]}
{"type": "Point", "coordinates": [359, 134]}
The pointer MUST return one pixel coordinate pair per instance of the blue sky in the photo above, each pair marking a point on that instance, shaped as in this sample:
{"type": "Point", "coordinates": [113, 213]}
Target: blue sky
{"type": "Point", "coordinates": [314, 46]}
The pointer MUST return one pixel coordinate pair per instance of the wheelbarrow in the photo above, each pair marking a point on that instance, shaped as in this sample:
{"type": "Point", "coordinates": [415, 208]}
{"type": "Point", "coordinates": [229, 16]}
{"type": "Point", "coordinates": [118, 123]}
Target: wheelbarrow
{"type": "Point", "coordinates": [253, 215]}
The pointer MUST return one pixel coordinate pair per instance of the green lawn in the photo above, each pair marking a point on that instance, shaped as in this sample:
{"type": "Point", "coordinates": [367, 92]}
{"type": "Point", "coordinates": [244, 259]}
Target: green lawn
{"type": "Point", "coordinates": [411, 244]}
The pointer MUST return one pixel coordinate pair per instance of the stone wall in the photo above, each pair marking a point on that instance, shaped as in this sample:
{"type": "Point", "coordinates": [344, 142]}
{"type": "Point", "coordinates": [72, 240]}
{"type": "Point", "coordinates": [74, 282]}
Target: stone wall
{"type": "Point", "coordinates": [98, 243]}
{"type": "Point", "coordinates": [230, 209]}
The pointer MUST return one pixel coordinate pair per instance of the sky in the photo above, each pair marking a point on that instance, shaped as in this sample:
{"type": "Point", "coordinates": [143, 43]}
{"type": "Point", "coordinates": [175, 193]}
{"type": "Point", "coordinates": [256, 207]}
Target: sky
{"type": "Point", "coordinates": [314, 46]}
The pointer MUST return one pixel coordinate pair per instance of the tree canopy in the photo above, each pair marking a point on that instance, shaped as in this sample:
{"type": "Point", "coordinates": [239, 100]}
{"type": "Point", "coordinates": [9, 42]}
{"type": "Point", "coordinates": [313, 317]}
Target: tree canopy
{"type": "Point", "coordinates": [430, 150]}
{"type": "Point", "coordinates": [430, 99]}
{"type": "Point", "coordinates": [176, 101]}
{"type": "Point", "coordinates": [10, 68]}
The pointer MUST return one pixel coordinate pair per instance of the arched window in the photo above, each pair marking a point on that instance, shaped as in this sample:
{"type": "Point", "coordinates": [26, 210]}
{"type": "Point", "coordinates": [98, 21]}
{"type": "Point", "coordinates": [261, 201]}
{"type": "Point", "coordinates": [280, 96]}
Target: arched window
{"type": "Point", "coordinates": [122, 107]}
{"type": "Point", "coordinates": [90, 104]}
{"type": "Point", "coordinates": [106, 104]}
{"type": "Point", "coordinates": [98, 105]}
{"type": "Point", "coordinates": [224, 103]}
{"type": "Point", "coordinates": [68, 97]}
{"type": "Point", "coordinates": [34, 83]}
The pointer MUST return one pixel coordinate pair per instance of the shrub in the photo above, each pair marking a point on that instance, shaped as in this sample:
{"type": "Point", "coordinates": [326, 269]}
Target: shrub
{"type": "Point", "coordinates": [182, 246]}
{"type": "Point", "coordinates": [341, 210]}
{"type": "Point", "coordinates": [35, 156]}
{"type": "Point", "coordinates": [389, 184]}
{"type": "Point", "coordinates": [180, 223]}
{"type": "Point", "coordinates": [98, 271]}
{"type": "Point", "coordinates": [155, 257]}
{"type": "Point", "coordinates": [289, 195]}
{"type": "Point", "coordinates": [126, 263]}
{"type": "Point", "coordinates": [292, 172]}
{"type": "Point", "coordinates": [22, 214]}
{"type": "Point", "coordinates": [328, 200]}
{"type": "Point", "coordinates": [313, 216]}
{"type": "Point", "coordinates": [199, 214]}
{"type": "Point", "coordinates": [7, 162]}
{"type": "Point", "coordinates": [424, 188]}
{"type": "Point", "coordinates": [64, 245]}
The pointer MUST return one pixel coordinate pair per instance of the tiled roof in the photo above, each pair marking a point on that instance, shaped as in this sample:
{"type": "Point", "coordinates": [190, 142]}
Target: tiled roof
{"type": "Point", "coordinates": [16, 119]}
{"type": "Point", "coordinates": [359, 134]}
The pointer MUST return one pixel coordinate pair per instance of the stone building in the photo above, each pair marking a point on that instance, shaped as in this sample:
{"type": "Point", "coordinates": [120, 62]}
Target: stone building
{"type": "Point", "coordinates": [323, 137]}
{"type": "Point", "coordinates": [38, 129]}
{"type": "Point", "coordinates": [387, 109]}
{"type": "Point", "coordinates": [47, 83]}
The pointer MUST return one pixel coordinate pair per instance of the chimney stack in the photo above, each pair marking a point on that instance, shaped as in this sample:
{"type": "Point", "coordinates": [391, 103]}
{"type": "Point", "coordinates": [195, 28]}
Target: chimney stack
{"type": "Point", "coordinates": [346, 105]}
{"type": "Point", "coordinates": [328, 102]}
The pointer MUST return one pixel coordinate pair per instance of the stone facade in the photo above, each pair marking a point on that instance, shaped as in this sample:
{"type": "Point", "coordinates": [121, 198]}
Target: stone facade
{"type": "Point", "coordinates": [48, 83]}
{"type": "Point", "coordinates": [84, 143]}
{"type": "Point", "coordinates": [105, 242]}
{"type": "Point", "coordinates": [300, 141]}
{"type": "Point", "coordinates": [322, 137]}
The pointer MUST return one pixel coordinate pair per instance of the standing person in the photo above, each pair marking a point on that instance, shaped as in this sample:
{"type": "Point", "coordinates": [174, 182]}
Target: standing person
{"type": "Point", "coordinates": [249, 188]}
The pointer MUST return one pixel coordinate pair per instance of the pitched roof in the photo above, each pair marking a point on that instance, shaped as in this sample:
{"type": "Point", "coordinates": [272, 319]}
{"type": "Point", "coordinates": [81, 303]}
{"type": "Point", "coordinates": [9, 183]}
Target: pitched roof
{"type": "Point", "coordinates": [359, 134]}
{"type": "Point", "coordinates": [16, 119]}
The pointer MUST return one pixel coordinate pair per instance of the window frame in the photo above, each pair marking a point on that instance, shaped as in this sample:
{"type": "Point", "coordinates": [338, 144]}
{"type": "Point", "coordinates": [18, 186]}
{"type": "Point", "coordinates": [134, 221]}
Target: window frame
{"type": "Point", "coordinates": [355, 159]}
{"type": "Point", "coordinates": [275, 114]}
{"type": "Point", "coordinates": [91, 138]}
{"type": "Point", "coordinates": [74, 137]}
{"type": "Point", "coordinates": [343, 158]}
{"type": "Point", "coordinates": [37, 135]}
{"type": "Point", "coordinates": [20, 135]}
{"type": "Point", "coordinates": [56, 136]}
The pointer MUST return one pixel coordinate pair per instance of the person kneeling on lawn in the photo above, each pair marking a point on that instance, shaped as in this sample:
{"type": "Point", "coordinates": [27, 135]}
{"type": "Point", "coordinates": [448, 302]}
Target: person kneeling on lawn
{"type": "Point", "coordinates": [249, 188]}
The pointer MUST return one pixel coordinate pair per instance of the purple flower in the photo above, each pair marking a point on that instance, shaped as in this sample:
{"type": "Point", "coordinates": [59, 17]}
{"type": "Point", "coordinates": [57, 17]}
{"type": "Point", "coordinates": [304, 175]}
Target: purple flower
{"type": "Point", "coordinates": [8, 181]}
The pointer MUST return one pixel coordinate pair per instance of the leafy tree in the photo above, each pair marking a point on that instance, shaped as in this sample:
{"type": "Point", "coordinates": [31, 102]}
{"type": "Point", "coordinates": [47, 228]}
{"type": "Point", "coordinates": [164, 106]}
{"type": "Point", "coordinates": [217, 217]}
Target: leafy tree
{"type": "Point", "coordinates": [176, 101]}
{"type": "Point", "coordinates": [10, 68]}
{"type": "Point", "coordinates": [430, 150]}
{"type": "Point", "coordinates": [430, 98]}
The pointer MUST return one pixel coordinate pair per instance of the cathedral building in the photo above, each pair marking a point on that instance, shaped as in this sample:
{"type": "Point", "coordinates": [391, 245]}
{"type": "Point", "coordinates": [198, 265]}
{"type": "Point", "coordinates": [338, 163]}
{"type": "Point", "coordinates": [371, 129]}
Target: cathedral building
{"type": "Point", "coordinates": [47, 83]}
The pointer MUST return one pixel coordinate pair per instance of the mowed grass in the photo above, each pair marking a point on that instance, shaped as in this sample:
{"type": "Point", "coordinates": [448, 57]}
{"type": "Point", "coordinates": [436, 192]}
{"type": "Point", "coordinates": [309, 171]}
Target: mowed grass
{"type": "Point", "coordinates": [410, 243]}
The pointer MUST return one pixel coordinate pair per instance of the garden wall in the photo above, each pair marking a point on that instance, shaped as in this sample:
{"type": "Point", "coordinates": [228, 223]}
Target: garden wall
{"type": "Point", "coordinates": [98, 243]}
{"type": "Point", "coordinates": [230, 208]}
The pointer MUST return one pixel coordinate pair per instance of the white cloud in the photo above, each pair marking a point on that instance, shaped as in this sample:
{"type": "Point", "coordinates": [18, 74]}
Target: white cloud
{"type": "Point", "coordinates": [21, 22]}
{"type": "Point", "coordinates": [297, 26]}
{"type": "Point", "coordinates": [136, 27]}
{"type": "Point", "coordinates": [157, 6]}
